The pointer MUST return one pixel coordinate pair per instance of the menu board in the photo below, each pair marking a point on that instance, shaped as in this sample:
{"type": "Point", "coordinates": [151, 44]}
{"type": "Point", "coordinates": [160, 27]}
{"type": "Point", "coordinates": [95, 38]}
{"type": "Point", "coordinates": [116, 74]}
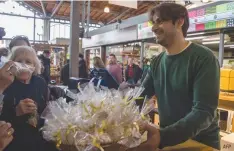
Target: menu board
{"type": "Point", "coordinates": [212, 17]}
{"type": "Point", "coordinates": [206, 18]}
{"type": "Point", "coordinates": [145, 30]}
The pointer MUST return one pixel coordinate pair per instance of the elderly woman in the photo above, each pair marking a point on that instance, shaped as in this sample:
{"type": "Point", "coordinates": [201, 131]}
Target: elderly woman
{"type": "Point", "coordinates": [24, 101]}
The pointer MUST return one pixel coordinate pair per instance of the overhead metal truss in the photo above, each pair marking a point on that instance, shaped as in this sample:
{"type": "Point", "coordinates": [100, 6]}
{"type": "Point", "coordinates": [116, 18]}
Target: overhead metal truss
{"type": "Point", "coordinates": [43, 8]}
{"type": "Point", "coordinates": [37, 11]}
{"type": "Point", "coordinates": [135, 21]}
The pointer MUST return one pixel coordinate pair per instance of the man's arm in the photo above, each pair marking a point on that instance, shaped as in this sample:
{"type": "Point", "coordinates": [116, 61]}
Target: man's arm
{"type": "Point", "coordinates": [204, 110]}
{"type": "Point", "coordinates": [148, 84]}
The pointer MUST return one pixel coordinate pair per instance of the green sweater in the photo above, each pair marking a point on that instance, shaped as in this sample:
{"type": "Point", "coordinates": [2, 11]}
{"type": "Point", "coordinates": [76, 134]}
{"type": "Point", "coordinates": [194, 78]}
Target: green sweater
{"type": "Point", "coordinates": [187, 88]}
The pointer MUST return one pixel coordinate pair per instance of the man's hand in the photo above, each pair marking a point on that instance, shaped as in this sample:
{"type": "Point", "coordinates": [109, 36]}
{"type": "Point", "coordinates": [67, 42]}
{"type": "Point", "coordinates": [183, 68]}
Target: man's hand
{"type": "Point", "coordinates": [6, 76]}
{"type": "Point", "coordinates": [153, 139]}
{"type": "Point", "coordinates": [5, 134]}
{"type": "Point", "coordinates": [26, 106]}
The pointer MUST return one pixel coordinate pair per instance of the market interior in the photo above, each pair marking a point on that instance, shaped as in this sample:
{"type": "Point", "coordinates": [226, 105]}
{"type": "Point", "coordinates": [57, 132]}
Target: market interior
{"type": "Point", "coordinates": [82, 42]}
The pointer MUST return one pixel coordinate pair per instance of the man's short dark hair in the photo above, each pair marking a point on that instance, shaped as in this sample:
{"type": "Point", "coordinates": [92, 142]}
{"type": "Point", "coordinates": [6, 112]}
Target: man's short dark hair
{"type": "Point", "coordinates": [81, 55]}
{"type": "Point", "coordinates": [113, 55]}
{"type": "Point", "coordinates": [17, 38]}
{"type": "Point", "coordinates": [46, 51]}
{"type": "Point", "coordinates": [171, 11]}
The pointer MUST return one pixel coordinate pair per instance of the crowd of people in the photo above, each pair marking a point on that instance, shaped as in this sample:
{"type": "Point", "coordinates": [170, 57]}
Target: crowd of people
{"type": "Point", "coordinates": [25, 96]}
{"type": "Point", "coordinates": [184, 79]}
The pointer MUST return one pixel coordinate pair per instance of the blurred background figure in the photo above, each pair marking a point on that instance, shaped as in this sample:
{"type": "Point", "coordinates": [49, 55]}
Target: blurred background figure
{"type": "Point", "coordinates": [146, 66]}
{"type": "Point", "coordinates": [133, 72]}
{"type": "Point", "coordinates": [83, 73]}
{"type": "Point", "coordinates": [19, 41]}
{"type": "Point", "coordinates": [45, 59]}
{"type": "Point", "coordinates": [100, 73]}
{"type": "Point", "coordinates": [114, 68]}
{"type": "Point", "coordinates": [122, 69]}
{"type": "Point", "coordinates": [82, 67]}
{"type": "Point", "coordinates": [3, 55]}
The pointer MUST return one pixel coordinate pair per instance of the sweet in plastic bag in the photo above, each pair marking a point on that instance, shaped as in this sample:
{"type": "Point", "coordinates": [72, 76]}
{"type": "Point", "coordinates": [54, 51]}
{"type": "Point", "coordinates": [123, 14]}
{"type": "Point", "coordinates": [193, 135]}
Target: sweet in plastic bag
{"type": "Point", "coordinates": [96, 118]}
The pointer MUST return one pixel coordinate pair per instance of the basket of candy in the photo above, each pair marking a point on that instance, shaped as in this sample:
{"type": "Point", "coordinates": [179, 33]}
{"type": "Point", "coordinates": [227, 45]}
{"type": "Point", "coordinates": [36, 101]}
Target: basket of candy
{"type": "Point", "coordinates": [97, 118]}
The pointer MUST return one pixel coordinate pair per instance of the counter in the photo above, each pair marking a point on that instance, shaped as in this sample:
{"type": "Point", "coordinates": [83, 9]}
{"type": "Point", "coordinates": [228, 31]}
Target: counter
{"type": "Point", "coordinates": [226, 102]}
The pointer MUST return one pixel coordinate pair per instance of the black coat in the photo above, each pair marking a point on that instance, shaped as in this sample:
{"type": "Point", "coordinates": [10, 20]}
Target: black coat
{"type": "Point", "coordinates": [82, 72]}
{"type": "Point", "coordinates": [46, 72]}
{"type": "Point", "coordinates": [26, 137]}
{"type": "Point", "coordinates": [137, 73]}
{"type": "Point", "coordinates": [107, 79]}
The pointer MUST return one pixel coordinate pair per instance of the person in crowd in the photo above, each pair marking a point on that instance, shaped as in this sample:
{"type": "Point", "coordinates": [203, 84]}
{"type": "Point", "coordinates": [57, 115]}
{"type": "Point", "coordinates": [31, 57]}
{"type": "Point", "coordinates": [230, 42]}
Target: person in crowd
{"type": "Point", "coordinates": [3, 52]}
{"type": "Point", "coordinates": [65, 73]}
{"type": "Point", "coordinates": [122, 69]}
{"type": "Point", "coordinates": [6, 79]}
{"type": "Point", "coordinates": [19, 41]}
{"type": "Point", "coordinates": [83, 73]}
{"type": "Point", "coordinates": [146, 65]}
{"type": "Point", "coordinates": [45, 59]}
{"type": "Point", "coordinates": [3, 55]}
{"type": "Point", "coordinates": [24, 101]}
{"type": "Point", "coordinates": [100, 73]}
{"type": "Point", "coordinates": [82, 70]}
{"type": "Point", "coordinates": [185, 80]}
{"type": "Point", "coordinates": [133, 72]}
{"type": "Point", "coordinates": [114, 68]}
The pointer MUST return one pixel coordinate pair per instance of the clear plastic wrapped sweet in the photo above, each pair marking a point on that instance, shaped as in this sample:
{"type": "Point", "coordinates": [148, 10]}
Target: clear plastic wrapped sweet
{"type": "Point", "coordinates": [98, 117]}
{"type": "Point", "coordinates": [20, 68]}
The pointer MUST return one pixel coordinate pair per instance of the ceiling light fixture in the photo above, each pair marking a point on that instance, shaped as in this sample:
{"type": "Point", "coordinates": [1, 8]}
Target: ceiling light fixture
{"type": "Point", "coordinates": [201, 33]}
{"type": "Point", "coordinates": [205, 1]}
{"type": "Point", "coordinates": [195, 38]}
{"type": "Point", "coordinates": [229, 45]}
{"type": "Point", "coordinates": [212, 42]}
{"type": "Point", "coordinates": [211, 39]}
{"type": "Point", "coordinates": [106, 9]}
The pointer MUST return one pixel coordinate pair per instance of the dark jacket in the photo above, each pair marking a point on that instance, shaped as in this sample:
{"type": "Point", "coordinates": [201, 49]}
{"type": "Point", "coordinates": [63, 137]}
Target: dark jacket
{"type": "Point", "coordinates": [26, 137]}
{"type": "Point", "coordinates": [107, 79]}
{"type": "Point", "coordinates": [46, 72]}
{"type": "Point", "coordinates": [145, 71]}
{"type": "Point", "coordinates": [82, 69]}
{"type": "Point", "coordinates": [82, 72]}
{"type": "Point", "coordinates": [137, 73]}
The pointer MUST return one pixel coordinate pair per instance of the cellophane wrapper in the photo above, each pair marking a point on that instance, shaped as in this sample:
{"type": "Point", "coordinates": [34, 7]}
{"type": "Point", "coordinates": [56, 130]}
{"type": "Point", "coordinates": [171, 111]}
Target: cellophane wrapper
{"type": "Point", "coordinates": [96, 118]}
{"type": "Point", "coordinates": [21, 68]}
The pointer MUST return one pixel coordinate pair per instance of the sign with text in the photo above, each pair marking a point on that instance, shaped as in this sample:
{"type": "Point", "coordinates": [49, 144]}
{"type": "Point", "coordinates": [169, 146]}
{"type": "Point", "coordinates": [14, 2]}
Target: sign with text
{"type": "Point", "coordinates": [227, 143]}
{"type": "Point", "coordinates": [218, 16]}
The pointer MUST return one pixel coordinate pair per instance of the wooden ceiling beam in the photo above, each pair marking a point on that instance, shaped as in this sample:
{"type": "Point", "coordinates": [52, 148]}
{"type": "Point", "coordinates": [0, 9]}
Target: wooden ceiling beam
{"type": "Point", "coordinates": [56, 9]}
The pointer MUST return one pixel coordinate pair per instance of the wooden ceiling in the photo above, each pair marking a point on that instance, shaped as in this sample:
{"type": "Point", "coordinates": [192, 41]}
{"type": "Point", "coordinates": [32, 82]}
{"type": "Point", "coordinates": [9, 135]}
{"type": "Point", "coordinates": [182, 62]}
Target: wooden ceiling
{"type": "Point", "coordinates": [97, 14]}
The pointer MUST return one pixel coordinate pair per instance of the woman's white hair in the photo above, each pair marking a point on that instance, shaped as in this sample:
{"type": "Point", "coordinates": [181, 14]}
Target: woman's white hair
{"type": "Point", "coordinates": [21, 49]}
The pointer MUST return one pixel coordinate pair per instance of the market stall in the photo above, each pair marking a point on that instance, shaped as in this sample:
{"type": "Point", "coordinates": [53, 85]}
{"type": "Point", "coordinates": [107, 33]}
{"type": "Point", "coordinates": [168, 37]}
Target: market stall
{"type": "Point", "coordinates": [57, 57]}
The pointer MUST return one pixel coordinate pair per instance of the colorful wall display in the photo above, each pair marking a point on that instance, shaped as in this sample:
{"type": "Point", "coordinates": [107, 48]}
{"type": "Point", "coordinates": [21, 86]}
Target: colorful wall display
{"type": "Point", "coordinates": [145, 30]}
{"type": "Point", "coordinates": [212, 17]}
{"type": "Point", "coordinates": [207, 18]}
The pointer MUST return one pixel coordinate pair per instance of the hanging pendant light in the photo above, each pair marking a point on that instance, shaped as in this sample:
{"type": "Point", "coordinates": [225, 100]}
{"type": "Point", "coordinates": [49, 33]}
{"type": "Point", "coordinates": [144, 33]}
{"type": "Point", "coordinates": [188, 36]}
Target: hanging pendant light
{"type": "Point", "coordinates": [106, 9]}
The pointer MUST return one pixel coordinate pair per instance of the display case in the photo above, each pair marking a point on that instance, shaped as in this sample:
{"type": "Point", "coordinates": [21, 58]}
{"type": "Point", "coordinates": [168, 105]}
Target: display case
{"type": "Point", "coordinates": [125, 51]}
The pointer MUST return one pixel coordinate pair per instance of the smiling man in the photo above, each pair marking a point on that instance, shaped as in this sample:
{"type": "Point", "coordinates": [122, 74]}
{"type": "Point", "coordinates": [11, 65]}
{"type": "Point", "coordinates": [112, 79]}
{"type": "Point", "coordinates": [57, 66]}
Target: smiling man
{"type": "Point", "coordinates": [185, 80]}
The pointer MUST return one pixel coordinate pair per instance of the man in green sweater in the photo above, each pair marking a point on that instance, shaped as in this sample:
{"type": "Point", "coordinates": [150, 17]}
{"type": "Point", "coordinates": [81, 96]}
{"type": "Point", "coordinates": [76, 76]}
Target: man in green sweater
{"type": "Point", "coordinates": [185, 80]}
